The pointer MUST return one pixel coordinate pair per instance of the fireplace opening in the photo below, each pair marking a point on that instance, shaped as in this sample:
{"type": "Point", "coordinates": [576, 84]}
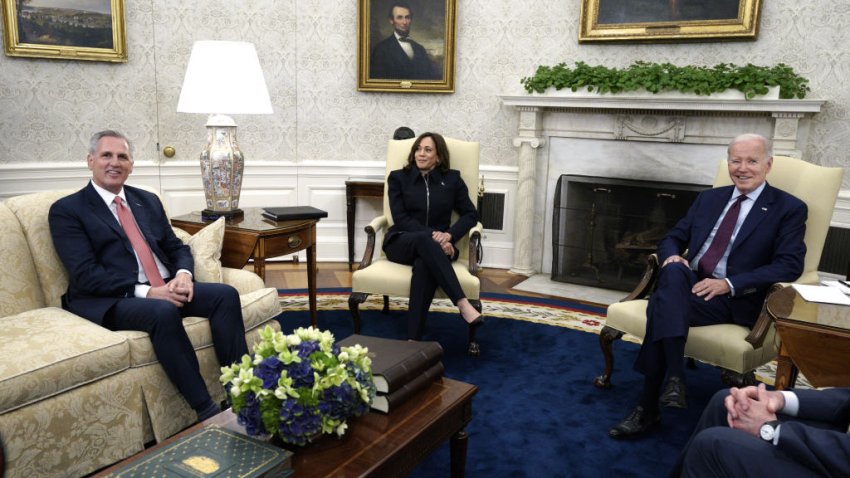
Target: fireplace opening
{"type": "Point", "coordinates": [604, 228]}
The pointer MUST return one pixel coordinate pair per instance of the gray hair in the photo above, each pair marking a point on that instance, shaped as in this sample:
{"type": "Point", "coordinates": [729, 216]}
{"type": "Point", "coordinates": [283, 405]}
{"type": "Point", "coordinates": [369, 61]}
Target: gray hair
{"type": "Point", "coordinates": [108, 133]}
{"type": "Point", "coordinates": [766, 143]}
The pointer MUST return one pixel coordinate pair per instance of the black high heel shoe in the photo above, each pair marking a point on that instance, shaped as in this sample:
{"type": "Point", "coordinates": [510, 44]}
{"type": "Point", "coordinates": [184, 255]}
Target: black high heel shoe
{"type": "Point", "coordinates": [478, 322]}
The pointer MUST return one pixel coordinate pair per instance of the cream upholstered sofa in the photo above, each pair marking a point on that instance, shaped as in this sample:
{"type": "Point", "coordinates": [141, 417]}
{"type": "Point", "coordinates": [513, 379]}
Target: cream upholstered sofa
{"type": "Point", "coordinates": [74, 396]}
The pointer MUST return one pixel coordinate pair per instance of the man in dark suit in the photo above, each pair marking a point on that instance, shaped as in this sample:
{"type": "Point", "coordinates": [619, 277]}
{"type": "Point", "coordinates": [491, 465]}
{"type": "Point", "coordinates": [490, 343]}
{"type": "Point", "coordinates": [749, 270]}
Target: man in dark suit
{"type": "Point", "coordinates": [398, 57]}
{"type": "Point", "coordinates": [128, 271]}
{"type": "Point", "coordinates": [755, 432]}
{"type": "Point", "coordinates": [716, 266]}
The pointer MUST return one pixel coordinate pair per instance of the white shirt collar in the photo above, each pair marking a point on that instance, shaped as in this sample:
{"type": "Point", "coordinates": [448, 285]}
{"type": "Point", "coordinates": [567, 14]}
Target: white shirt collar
{"type": "Point", "coordinates": [108, 196]}
{"type": "Point", "coordinates": [754, 194]}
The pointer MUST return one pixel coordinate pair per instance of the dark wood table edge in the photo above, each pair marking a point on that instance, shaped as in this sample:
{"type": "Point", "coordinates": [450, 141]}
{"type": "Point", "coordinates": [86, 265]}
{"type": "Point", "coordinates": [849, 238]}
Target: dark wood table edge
{"type": "Point", "coordinates": [389, 467]}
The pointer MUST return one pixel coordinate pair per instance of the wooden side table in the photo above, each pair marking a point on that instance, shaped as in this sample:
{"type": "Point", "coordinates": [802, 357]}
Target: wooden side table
{"type": "Point", "coordinates": [252, 236]}
{"type": "Point", "coordinates": [354, 190]}
{"type": "Point", "coordinates": [815, 340]}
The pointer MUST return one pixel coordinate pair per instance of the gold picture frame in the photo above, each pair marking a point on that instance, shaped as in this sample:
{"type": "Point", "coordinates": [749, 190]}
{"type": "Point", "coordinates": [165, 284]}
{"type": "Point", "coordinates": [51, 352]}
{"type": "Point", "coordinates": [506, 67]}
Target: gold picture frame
{"type": "Point", "coordinates": [668, 20]}
{"type": "Point", "coordinates": [64, 31]}
{"type": "Point", "coordinates": [428, 66]}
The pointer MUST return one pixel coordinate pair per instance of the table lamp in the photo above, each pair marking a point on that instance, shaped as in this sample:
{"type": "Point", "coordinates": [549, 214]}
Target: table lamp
{"type": "Point", "coordinates": [223, 78]}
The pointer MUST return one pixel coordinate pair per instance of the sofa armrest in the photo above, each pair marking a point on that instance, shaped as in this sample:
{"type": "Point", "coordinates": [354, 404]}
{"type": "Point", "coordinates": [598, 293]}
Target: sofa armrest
{"type": "Point", "coordinates": [242, 280]}
{"type": "Point", "coordinates": [378, 224]}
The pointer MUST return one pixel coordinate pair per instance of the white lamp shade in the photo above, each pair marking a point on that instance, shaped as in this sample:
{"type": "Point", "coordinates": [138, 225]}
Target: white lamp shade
{"type": "Point", "coordinates": [224, 77]}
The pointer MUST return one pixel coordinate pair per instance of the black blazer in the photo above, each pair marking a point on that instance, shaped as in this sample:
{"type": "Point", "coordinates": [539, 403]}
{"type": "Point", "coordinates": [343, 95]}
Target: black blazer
{"type": "Point", "coordinates": [389, 60]}
{"type": "Point", "coordinates": [97, 254]}
{"type": "Point", "coordinates": [417, 208]}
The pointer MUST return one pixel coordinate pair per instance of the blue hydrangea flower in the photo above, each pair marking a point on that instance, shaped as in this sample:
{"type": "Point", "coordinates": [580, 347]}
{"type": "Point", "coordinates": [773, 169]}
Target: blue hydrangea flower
{"type": "Point", "coordinates": [249, 415]}
{"type": "Point", "coordinates": [299, 424]}
{"type": "Point", "coordinates": [269, 371]}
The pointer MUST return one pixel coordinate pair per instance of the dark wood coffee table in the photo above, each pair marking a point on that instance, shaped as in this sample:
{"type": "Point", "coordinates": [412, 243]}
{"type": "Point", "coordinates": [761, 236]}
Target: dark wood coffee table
{"type": "Point", "coordinates": [375, 444]}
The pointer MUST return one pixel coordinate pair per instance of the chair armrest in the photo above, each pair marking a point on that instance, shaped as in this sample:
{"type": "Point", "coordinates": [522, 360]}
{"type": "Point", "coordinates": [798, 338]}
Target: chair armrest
{"type": "Point", "coordinates": [378, 224]}
{"type": "Point", "coordinates": [474, 248]}
{"type": "Point", "coordinates": [764, 322]}
{"type": "Point", "coordinates": [647, 282]}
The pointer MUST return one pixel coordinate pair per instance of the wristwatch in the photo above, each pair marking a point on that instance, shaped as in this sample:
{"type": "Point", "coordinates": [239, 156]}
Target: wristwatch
{"type": "Point", "coordinates": [768, 431]}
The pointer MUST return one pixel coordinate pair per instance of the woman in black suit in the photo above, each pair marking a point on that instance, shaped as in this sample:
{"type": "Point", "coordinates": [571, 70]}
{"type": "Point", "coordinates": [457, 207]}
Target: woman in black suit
{"type": "Point", "coordinates": [422, 196]}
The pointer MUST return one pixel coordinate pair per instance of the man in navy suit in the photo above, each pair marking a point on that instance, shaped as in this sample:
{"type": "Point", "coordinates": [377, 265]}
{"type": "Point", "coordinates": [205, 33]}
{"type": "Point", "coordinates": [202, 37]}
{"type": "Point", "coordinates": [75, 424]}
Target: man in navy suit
{"type": "Point", "coordinates": [755, 432]}
{"type": "Point", "coordinates": [398, 57]}
{"type": "Point", "coordinates": [110, 280]}
{"type": "Point", "coordinates": [716, 268]}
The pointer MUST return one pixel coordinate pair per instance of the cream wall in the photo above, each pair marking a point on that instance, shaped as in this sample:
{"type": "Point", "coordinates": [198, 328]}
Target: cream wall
{"type": "Point", "coordinates": [48, 108]}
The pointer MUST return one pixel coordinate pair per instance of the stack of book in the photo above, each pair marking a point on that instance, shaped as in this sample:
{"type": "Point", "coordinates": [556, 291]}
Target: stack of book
{"type": "Point", "coordinates": [400, 368]}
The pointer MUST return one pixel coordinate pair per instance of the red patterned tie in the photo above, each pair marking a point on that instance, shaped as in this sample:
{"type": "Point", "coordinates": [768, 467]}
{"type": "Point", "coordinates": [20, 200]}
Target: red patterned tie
{"type": "Point", "coordinates": [139, 244]}
{"type": "Point", "coordinates": [708, 261]}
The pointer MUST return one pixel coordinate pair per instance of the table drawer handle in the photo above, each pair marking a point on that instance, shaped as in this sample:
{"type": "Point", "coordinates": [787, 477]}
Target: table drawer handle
{"type": "Point", "coordinates": [293, 241]}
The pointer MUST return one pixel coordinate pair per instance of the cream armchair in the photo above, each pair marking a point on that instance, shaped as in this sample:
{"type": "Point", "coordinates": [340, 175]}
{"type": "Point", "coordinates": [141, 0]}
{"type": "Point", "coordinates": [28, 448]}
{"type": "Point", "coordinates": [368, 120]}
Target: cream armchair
{"type": "Point", "coordinates": [383, 277]}
{"type": "Point", "coordinates": [735, 349]}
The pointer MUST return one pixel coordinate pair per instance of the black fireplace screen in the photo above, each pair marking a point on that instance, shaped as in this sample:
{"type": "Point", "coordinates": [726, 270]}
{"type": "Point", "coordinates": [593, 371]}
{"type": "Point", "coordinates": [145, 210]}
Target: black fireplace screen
{"type": "Point", "coordinates": [604, 228]}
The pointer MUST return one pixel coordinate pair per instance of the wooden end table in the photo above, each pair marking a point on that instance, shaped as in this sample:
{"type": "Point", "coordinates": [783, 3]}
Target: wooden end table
{"type": "Point", "coordinates": [252, 236]}
{"type": "Point", "coordinates": [354, 190]}
{"type": "Point", "coordinates": [815, 340]}
{"type": "Point", "coordinates": [377, 445]}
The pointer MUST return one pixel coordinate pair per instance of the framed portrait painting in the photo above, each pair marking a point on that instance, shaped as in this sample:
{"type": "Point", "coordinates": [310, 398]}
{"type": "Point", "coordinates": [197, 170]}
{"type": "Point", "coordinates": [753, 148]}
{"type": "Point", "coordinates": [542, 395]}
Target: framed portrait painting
{"type": "Point", "coordinates": [65, 29]}
{"type": "Point", "coordinates": [406, 46]}
{"type": "Point", "coordinates": [668, 20]}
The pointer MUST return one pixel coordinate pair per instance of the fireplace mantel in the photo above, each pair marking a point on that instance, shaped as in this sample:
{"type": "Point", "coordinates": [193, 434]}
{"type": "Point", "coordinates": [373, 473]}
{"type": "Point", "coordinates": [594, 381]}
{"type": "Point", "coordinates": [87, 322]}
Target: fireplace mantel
{"type": "Point", "coordinates": [704, 122]}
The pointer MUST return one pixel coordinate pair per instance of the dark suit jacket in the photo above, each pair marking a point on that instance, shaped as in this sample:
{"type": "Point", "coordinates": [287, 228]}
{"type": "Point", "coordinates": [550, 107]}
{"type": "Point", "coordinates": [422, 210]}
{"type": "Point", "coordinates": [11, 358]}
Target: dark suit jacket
{"type": "Point", "coordinates": [826, 451]}
{"type": "Point", "coordinates": [388, 60]}
{"type": "Point", "coordinates": [97, 254]}
{"type": "Point", "coordinates": [415, 208]}
{"type": "Point", "coordinates": [769, 246]}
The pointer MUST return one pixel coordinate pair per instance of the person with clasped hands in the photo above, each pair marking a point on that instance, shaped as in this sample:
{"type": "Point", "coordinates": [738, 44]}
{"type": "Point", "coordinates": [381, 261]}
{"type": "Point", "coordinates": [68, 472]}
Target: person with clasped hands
{"type": "Point", "coordinates": [753, 432]}
{"type": "Point", "coordinates": [128, 271]}
{"type": "Point", "coordinates": [717, 264]}
{"type": "Point", "coordinates": [398, 57]}
{"type": "Point", "coordinates": [422, 196]}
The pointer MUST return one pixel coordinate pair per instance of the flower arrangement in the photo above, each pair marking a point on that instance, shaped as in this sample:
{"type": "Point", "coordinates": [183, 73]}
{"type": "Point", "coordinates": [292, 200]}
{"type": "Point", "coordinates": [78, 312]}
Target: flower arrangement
{"type": "Point", "coordinates": [299, 386]}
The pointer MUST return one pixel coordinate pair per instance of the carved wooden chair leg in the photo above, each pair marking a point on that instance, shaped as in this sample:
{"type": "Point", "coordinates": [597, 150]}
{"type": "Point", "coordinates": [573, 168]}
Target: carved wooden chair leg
{"type": "Point", "coordinates": [354, 301]}
{"type": "Point", "coordinates": [474, 349]}
{"type": "Point", "coordinates": [606, 337]}
{"type": "Point", "coordinates": [386, 309]}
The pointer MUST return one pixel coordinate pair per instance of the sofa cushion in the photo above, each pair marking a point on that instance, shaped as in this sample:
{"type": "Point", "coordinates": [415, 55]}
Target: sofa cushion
{"type": "Point", "coordinates": [257, 308]}
{"type": "Point", "coordinates": [206, 250]}
{"type": "Point", "coordinates": [19, 287]}
{"type": "Point", "coordinates": [31, 211]}
{"type": "Point", "coordinates": [38, 360]}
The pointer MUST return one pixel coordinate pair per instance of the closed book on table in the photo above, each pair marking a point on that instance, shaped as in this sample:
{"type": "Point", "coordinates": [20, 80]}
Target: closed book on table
{"type": "Point", "coordinates": [293, 212]}
{"type": "Point", "coordinates": [390, 401]}
{"type": "Point", "coordinates": [396, 362]}
{"type": "Point", "coordinates": [212, 452]}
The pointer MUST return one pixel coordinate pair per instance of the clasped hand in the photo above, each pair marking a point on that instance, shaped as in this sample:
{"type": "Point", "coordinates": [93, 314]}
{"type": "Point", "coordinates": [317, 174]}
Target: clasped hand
{"type": "Point", "coordinates": [444, 239]}
{"type": "Point", "coordinates": [178, 290]}
{"type": "Point", "coordinates": [748, 408]}
{"type": "Point", "coordinates": [706, 288]}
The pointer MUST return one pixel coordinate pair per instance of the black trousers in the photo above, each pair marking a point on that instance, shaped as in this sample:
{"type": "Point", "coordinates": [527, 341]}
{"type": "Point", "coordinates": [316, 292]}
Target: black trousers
{"type": "Point", "coordinates": [431, 268]}
{"type": "Point", "coordinates": [163, 321]}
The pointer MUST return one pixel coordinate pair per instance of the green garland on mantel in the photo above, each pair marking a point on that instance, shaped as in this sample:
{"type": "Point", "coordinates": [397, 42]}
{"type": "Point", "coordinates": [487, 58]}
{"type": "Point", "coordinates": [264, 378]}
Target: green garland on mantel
{"type": "Point", "coordinates": [752, 80]}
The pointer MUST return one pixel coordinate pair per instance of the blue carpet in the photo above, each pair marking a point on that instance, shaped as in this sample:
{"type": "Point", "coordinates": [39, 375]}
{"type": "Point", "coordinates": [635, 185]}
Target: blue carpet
{"type": "Point", "coordinates": [537, 413]}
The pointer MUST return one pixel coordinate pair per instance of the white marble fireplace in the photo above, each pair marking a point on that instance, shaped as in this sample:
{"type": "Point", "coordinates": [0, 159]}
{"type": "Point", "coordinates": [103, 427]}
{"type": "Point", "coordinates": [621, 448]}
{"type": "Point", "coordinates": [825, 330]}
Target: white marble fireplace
{"type": "Point", "coordinates": [651, 138]}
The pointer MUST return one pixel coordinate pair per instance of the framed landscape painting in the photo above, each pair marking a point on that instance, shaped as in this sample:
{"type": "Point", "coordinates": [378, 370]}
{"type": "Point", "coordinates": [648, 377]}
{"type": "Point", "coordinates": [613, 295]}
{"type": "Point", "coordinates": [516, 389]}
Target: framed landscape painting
{"type": "Point", "coordinates": [406, 46]}
{"type": "Point", "coordinates": [668, 20]}
{"type": "Point", "coordinates": [65, 29]}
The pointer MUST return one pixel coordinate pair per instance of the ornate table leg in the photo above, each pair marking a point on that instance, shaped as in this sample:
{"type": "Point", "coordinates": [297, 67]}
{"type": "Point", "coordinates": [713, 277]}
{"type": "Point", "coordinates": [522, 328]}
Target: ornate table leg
{"type": "Point", "coordinates": [458, 444]}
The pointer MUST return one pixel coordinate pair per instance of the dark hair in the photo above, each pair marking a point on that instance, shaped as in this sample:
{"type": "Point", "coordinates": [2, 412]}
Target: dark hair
{"type": "Point", "coordinates": [439, 144]}
{"type": "Point", "coordinates": [403, 132]}
{"type": "Point", "coordinates": [108, 133]}
{"type": "Point", "coordinates": [402, 5]}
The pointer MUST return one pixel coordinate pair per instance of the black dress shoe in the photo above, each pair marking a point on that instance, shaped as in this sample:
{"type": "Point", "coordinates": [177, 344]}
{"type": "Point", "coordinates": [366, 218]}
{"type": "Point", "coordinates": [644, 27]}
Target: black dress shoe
{"type": "Point", "coordinates": [638, 422]}
{"type": "Point", "coordinates": [673, 394]}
